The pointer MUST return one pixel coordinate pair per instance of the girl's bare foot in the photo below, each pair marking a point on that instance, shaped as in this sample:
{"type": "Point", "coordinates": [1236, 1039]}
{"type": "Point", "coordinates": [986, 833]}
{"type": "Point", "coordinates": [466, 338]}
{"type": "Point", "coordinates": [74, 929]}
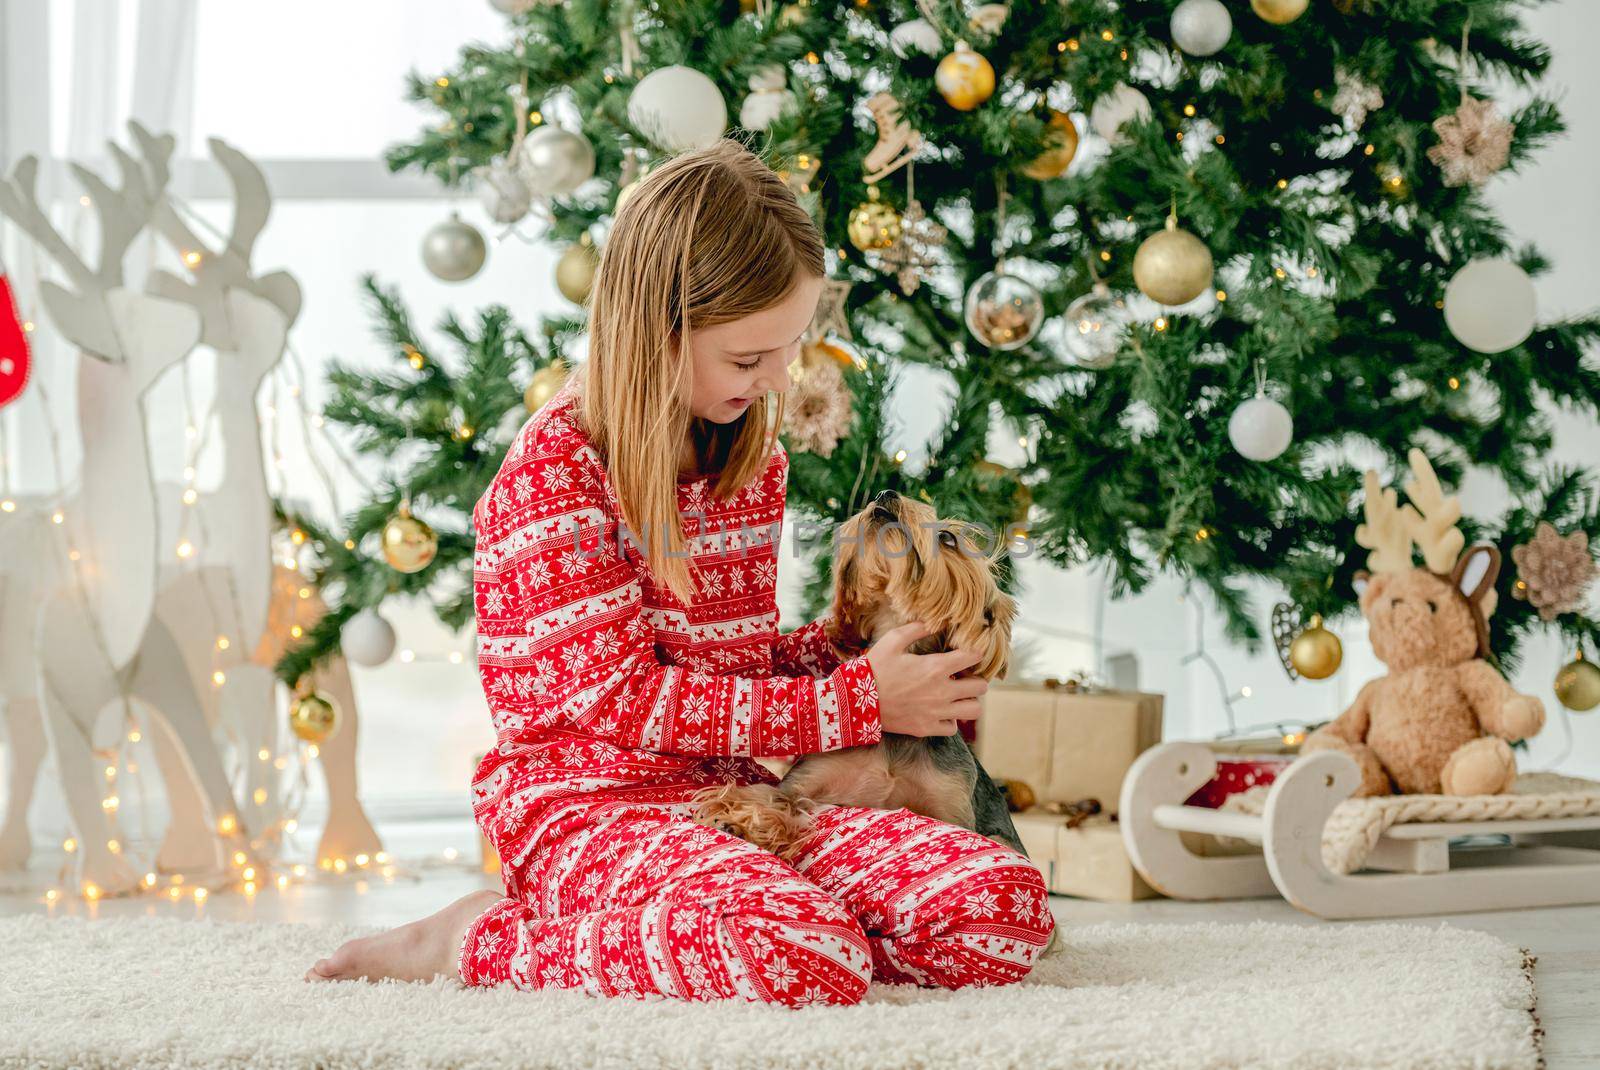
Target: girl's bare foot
{"type": "Point", "coordinates": [419, 951]}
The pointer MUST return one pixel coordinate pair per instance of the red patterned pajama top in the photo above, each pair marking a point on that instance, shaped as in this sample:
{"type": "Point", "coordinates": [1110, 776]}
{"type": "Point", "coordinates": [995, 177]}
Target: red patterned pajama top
{"type": "Point", "coordinates": [606, 690]}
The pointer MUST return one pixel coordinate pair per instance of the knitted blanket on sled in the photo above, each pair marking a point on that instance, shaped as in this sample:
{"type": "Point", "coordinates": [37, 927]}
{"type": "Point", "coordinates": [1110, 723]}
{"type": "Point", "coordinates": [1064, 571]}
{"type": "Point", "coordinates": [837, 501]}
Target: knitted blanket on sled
{"type": "Point", "coordinates": [1354, 827]}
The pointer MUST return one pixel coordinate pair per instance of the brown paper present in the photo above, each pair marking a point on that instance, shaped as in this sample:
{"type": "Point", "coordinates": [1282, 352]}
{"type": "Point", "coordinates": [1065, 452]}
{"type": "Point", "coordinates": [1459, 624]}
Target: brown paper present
{"type": "Point", "coordinates": [1089, 861]}
{"type": "Point", "coordinates": [1064, 744]}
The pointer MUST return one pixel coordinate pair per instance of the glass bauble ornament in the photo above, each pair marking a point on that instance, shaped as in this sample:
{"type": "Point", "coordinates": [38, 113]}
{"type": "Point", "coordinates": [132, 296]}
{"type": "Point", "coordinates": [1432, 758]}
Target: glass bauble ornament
{"type": "Point", "coordinates": [1578, 685]}
{"type": "Point", "coordinates": [1172, 266]}
{"type": "Point", "coordinates": [964, 78]}
{"type": "Point", "coordinates": [1095, 326]}
{"type": "Point", "coordinates": [1201, 27]}
{"type": "Point", "coordinates": [678, 108]}
{"type": "Point", "coordinates": [554, 162]}
{"type": "Point", "coordinates": [874, 224]}
{"type": "Point", "coordinates": [367, 639]}
{"type": "Point", "coordinates": [1261, 429]}
{"type": "Point", "coordinates": [546, 381]}
{"type": "Point", "coordinates": [313, 717]}
{"type": "Point", "coordinates": [1490, 306]}
{"type": "Point", "coordinates": [575, 270]}
{"type": "Point", "coordinates": [1316, 653]}
{"type": "Point", "coordinates": [502, 192]}
{"type": "Point", "coordinates": [1280, 12]}
{"type": "Point", "coordinates": [454, 250]}
{"type": "Point", "coordinates": [1053, 162]}
{"type": "Point", "coordinates": [409, 544]}
{"type": "Point", "coordinates": [1003, 311]}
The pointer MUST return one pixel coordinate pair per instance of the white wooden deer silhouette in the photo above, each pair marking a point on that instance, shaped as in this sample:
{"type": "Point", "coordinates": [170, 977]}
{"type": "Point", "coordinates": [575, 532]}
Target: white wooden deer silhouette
{"type": "Point", "coordinates": [95, 639]}
{"type": "Point", "coordinates": [233, 594]}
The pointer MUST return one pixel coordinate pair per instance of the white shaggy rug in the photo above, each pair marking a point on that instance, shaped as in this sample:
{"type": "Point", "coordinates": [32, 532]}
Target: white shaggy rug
{"type": "Point", "coordinates": [151, 992]}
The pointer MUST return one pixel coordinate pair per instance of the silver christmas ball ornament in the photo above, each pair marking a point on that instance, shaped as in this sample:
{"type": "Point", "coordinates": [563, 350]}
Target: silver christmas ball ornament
{"type": "Point", "coordinates": [553, 162]}
{"type": "Point", "coordinates": [454, 250]}
{"type": "Point", "coordinates": [1261, 429]}
{"type": "Point", "coordinates": [367, 638]}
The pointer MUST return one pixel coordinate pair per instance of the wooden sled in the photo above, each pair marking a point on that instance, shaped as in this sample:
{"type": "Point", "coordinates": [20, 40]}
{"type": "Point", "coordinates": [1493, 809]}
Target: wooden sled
{"type": "Point", "coordinates": [1550, 861]}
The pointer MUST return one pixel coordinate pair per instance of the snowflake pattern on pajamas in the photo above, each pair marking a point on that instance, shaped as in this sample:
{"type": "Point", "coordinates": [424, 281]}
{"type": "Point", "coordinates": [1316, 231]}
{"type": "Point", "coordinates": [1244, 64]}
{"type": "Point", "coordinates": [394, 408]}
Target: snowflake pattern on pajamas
{"type": "Point", "coordinates": [614, 702]}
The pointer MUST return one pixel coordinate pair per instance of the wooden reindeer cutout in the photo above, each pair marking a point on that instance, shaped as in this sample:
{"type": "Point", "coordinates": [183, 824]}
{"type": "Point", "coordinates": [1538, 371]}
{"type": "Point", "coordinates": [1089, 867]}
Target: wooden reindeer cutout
{"type": "Point", "coordinates": [1421, 729]}
{"type": "Point", "coordinates": [94, 637]}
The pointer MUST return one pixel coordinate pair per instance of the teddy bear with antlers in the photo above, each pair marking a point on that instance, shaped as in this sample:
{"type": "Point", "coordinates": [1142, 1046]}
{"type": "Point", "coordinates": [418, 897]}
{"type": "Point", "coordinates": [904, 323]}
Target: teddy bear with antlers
{"type": "Point", "coordinates": [1440, 721]}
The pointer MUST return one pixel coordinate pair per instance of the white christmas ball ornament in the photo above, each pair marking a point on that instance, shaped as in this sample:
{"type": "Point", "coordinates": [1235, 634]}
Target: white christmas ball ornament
{"type": "Point", "coordinates": [1116, 109]}
{"type": "Point", "coordinates": [454, 250]}
{"type": "Point", "coordinates": [1490, 305]}
{"type": "Point", "coordinates": [678, 108]}
{"type": "Point", "coordinates": [502, 192]}
{"type": "Point", "coordinates": [1261, 429]}
{"type": "Point", "coordinates": [918, 35]}
{"type": "Point", "coordinates": [554, 162]}
{"type": "Point", "coordinates": [1201, 27]}
{"type": "Point", "coordinates": [367, 639]}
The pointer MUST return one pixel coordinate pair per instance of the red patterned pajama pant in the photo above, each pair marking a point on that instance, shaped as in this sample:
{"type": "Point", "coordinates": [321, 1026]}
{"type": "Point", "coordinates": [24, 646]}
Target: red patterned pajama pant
{"type": "Point", "coordinates": [652, 903]}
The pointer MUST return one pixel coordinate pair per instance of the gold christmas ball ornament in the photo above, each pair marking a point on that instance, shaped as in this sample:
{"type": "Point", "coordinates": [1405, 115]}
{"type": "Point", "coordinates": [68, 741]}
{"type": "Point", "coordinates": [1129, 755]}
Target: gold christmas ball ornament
{"type": "Point", "coordinates": [1280, 12]}
{"type": "Point", "coordinates": [313, 717]}
{"type": "Point", "coordinates": [874, 224]}
{"type": "Point", "coordinates": [1053, 162]}
{"type": "Point", "coordinates": [1172, 266]}
{"type": "Point", "coordinates": [409, 545]}
{"type": "Point", "coordinates": [1316, 652]}
{"type": "Point", "coordinates": [575, 271]}
{"type": "Point", "coordinates": [546, 381]}
{"type": "Point", "coordinates": [964, 78]}
{"type": "Point", "coordinates": [1578, 685]}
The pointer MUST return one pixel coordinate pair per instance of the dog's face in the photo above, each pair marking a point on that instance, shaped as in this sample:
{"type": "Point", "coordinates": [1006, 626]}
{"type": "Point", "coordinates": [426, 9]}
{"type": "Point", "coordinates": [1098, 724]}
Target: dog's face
{"type": "Point", "coordinates": [897, 561]}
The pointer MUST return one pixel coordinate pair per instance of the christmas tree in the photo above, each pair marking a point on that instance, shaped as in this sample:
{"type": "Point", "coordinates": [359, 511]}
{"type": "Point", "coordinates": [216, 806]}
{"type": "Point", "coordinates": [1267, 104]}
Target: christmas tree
{"type": "Point", "coordinates": [1203, 262]}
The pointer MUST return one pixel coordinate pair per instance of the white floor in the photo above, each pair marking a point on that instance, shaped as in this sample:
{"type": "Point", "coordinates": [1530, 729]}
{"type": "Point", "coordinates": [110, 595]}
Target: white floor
{"type": "Point", "coordinates": [435, 862]}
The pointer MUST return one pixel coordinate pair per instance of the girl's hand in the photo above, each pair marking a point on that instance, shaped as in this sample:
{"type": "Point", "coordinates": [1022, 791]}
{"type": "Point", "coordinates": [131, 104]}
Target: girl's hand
{"type": "Point", "coordinates": [917, 694]}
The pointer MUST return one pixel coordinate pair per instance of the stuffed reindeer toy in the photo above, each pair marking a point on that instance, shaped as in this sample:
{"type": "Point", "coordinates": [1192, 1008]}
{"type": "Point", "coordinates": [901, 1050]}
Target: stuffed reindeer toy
{"type": "Point", "coordinates": [896, 562]}
{"type": "Point", "coordinates": [1422, 728]}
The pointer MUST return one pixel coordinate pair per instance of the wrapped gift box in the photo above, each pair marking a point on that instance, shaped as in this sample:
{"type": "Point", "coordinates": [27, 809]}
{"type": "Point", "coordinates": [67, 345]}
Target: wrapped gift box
{"type": "Point", "coordinates": [1066, 744]}
{"type": "Point", "coordinates": [1089, 861]}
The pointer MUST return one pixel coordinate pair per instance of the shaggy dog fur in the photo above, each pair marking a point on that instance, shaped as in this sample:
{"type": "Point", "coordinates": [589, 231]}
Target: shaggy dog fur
{"type": "Point", "coordinates": [896, 562]}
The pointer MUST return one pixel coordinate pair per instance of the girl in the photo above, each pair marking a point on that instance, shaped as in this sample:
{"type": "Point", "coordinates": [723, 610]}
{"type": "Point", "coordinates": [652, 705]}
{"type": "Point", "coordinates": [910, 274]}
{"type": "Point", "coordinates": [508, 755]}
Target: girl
{"type": "Point", "coordinates": [621, 682]}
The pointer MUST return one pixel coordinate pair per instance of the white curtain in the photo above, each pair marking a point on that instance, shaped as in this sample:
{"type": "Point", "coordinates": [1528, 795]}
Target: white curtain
{"type": "Point", "coordinates": [72, 72]}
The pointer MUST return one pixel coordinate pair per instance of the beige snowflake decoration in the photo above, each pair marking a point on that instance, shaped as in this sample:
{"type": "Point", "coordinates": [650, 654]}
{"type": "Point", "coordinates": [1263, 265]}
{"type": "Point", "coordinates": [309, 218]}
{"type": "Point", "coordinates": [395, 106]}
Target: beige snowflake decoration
{"type": "Point", "coordinates": [1553, 572]}
{"type": "Point", "coordinates": [1474, 142]}
{"type": "Point", "coordinates": [818, 411]}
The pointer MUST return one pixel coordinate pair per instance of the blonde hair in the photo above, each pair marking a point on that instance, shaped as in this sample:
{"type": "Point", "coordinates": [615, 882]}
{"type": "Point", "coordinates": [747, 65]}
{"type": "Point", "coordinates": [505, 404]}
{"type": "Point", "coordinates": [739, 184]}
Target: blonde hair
{"type": "Point", "coordinates": [708, 237]}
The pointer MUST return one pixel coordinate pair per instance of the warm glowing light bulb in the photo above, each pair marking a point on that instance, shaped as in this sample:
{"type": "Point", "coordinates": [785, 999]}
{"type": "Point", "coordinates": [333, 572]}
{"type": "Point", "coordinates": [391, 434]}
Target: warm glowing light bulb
{"type": "Point", "coordinates": [219, 677]}
{"type": "Point", "coordinates": [200, 895]}
{"type": "Point", "coordinates": [69, 845]}
{"type": "Point", "coordinates": [238, 858]}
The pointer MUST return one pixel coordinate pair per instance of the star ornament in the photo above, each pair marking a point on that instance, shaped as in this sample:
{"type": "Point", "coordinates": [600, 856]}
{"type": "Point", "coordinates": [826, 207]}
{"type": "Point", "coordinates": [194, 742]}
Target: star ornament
{"type": "Point", "coordinates": [831, 316]}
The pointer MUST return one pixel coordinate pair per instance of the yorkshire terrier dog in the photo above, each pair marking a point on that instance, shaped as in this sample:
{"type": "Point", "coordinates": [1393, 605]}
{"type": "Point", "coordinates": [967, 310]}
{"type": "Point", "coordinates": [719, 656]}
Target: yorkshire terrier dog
{"type": "Point", "coordinates": [896, 561]}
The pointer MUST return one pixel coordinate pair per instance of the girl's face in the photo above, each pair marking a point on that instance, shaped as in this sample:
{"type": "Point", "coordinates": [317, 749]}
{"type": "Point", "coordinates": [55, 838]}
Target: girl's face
{"type": "Point", "coordinates": [734, 363]}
